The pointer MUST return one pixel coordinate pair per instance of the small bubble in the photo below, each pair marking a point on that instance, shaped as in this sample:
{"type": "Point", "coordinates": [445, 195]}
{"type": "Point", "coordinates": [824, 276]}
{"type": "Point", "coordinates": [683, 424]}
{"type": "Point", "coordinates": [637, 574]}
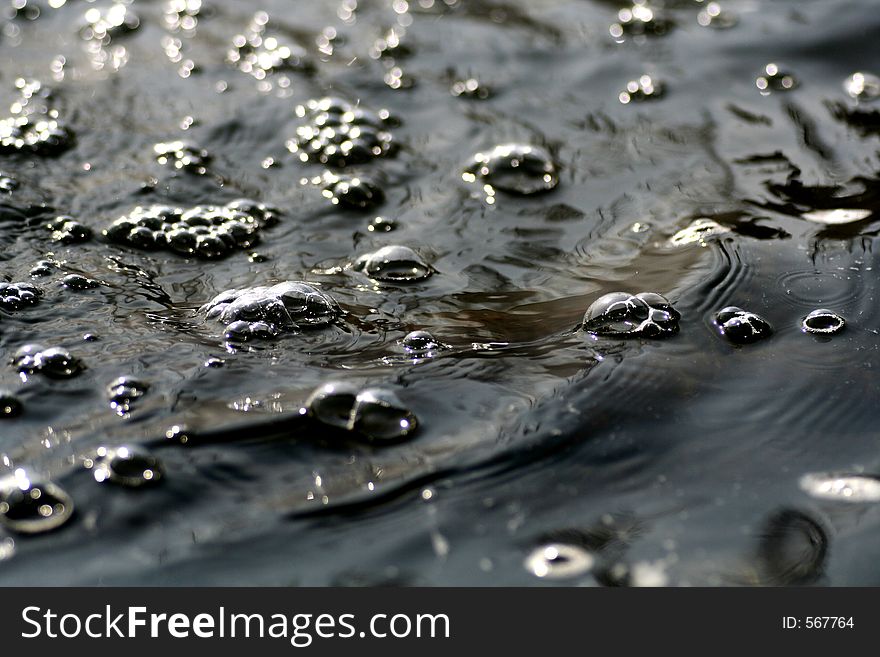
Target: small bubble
{"type": "Point", "coordinates": [67, 230]}
{"type": "Point", "coordinates": [15, 296]}
{"type": "Point", "coordinates": [470, 88]}
{"type": "Point", "coordinates": [382, 225]}
{"type": "Point", "coordinates": [421, 343]}
{"type": "Point", "coordinates": [127, 465]}
{"type": "Point", "coordinates": [775, 78]}
{"type": "Point", "coordinates": [842, 487]}
{"type": "Point", "coordinates": [823, 322]}
{"type": "Point", "coordinates": [8, 184]}
{"type": "Point", "coordinates": [698, 232]}
{"type": "Point", "coordinates": [29, 506]}
{"type": "Point", "coordinates": [78, 282]}
{"type": "Point", "coordinates": [863, 87]}
{"type": "Point", "coordinates": [622, 314]}
{"type": "Point", "coordinates": [375, 414]}
{"type": "Point", "coordinates": [10, 405]}
{"type": "Point", "coordinates": [559, 561]}
{"type": "Point", "coordinates": [513, 168]}
{"type": "Point", "coordinates": [123, 391]}
{"type": "Point", "coordinates": [380, 416]}
{"type": "Point", "coordinates": [394, 264]}
{"type": "Point", "coordinates": [740, 326]}
{"type": "Point", "coordinates": [642, 89]}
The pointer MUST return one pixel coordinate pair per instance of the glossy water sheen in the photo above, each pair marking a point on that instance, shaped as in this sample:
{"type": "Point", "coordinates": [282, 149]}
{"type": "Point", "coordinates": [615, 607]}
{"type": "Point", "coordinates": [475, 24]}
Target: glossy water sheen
{"type": "Point", "coordinates": [541, 453]}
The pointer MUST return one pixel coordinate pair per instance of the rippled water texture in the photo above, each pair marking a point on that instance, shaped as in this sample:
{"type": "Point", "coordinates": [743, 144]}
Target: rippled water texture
{"type": "Point", "coordinates": [479, 171]}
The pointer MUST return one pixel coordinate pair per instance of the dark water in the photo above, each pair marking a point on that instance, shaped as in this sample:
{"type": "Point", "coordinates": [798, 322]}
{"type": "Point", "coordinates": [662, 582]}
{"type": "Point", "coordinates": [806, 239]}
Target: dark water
{"type": "Point", "coordinates": [680, 460]}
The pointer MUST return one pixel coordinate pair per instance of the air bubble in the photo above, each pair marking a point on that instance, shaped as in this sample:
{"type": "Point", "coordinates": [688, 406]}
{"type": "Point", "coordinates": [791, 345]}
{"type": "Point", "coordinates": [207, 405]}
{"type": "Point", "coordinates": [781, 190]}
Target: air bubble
{"type": "Point", "coordinates": [394, 264]}
{"type": "Point", "coordinates": [637, 21]}
{"type": "Point", "coordinates": [622, 314]}
{"type": "Point", "coordinates": [382, 225]}
{"type": "Point", "coordinates": [30, 506]}
{"type": "Point", "coordinates": [863, 87]}
{"type": "Point", "coordinates": [207, 232]}
{"type": "Point", "coordinates": [265, 311]}
{"type": "Point", "coordinates": [67, 230]}
{"type": "Point", "coordinates": [53, 362]}
{"type": "Point", "coordinates": [10, 405]}
{"type": "Point", "coordinates": [375, 414]}
{"type": "Point", "coordinates": [774, 78]}
{"type": "Point", "coordinates": [78, 282]}
{"type": "Point", "coordinates": [513, 168]}
{"type": "Point", "coordinates": [8, 184]}
{"type": "Point", "coordinates": [339, 134]}
{"type": "Point", "coordinates": [421, 343]}
{"type": "Point", "coordinates": [559, 561]}
{"type": "Point", "coordinates": [740, 326]}
{"type": "Point", "coordinates": [354, 192]}
{"type": "Point", "coordinates": [33, 125]}
{"type": "Point", "coordinates": [124, 391]}
{"type": "Point", "coordinates": [380, 416]}
{"type": "Point", "coordinates": [842, 487]}
{"type": "Point", "coordinates": [15, 296]}
{"type": "Point", "coordinates": [642, 89]}
{"type": "Point", "coordinates": [823, 322]}
{"type": "Point", "coordinates": [129, 466]}
{"type": "Point", "coordinates": [698, 232]}
{"type": "Point", "coordinates": [183, 155]}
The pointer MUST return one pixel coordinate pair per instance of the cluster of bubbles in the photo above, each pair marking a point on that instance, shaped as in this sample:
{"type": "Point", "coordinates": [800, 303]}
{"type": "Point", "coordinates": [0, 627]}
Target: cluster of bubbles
{"type": "Point", "coordinates": [394, 264]}
{"type": "Point", "coordinates": [382, 225]}
{"type": "Point", "coordinates": [355, 192]}
{"type": "Point", "coordinates": [8, 184]}
{"type": "Point", "coordinates": [621, 314]}
{"type": "Point", "coordinates": [513, 168]}
{"type": "Point", "coordinates": [774, 78]}
{"type": "Point", "coordinates": [339, 134]}
{"type": "Point", "coordinates": [713, 15]}
{"type": "Point", "coordinates": [645, 88]}
{"type": "Point", "coordinates": [741, 326]}
{"type": "Point", "coordinates": [15, 296]}
{"type": "Point", "coordinates": [104, 24]}
{"type": "Point", "coordinates": [266, 311]}
{"type": "Point", "coordinates": [259, 54]}
{"type": "Point", "coordinates": [182, 155]}
{"type": "Point", "coordinates": [54, 362]}
{"type": "Point", "coordinates": [373, 413]}
{"type": "Point", "coordinates": [637, 21]}
{"type": "Point", "coordinates": [182, 15]}
{"type": "Point", "coordinates": [203, 231]}
{"type": "Point", "coordinates": [67, 230]}
{"type": "Point", "coordinates": [101, 28]}
{"type": "Point", "coordinates": [33, 125]}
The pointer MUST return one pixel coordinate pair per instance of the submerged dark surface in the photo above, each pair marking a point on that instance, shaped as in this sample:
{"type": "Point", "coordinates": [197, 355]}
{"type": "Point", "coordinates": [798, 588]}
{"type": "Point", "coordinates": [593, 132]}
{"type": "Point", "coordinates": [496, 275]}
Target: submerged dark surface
{"type": "Point", "coordinates": [678, 460]}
